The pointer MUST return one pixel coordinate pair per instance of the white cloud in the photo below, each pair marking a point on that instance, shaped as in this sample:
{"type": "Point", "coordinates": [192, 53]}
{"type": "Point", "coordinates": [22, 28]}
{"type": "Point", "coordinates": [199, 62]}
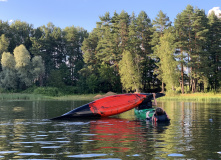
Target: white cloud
{"type": "Point", "coordinates": [216, 10]}
{"type": "Point", "coordinates": [3, 0]}
{"type": "Point", "coordinates": [11, 21]}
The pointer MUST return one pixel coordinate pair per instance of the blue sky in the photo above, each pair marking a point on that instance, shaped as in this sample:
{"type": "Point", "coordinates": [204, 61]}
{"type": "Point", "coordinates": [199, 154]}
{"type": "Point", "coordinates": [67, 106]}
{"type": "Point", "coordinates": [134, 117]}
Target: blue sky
{"type": "Point", "coordinates": [85, 13]}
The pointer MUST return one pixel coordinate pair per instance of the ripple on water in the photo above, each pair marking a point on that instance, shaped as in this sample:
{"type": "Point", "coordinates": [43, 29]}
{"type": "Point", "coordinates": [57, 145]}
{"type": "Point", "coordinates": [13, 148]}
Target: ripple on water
{"type": "Point", "coordinates": [29, 154]}
{"type": "Point", "coordinates": [8, 152]}
{"type": "Point", "coordinates": [175, 155]}
{"type": "Point", "coordinates": [53, 147]}
{"type": "Point", "coordinates": [86, 155]}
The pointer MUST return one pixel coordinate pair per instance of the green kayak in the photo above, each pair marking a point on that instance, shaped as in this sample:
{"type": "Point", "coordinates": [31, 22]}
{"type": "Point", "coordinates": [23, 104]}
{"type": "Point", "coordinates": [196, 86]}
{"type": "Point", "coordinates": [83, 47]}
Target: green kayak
{"type": "Point", "coordinates": [141, 114]}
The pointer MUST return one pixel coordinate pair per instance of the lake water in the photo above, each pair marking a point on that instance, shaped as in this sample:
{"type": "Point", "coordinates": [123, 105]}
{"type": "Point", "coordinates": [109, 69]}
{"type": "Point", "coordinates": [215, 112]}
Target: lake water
{"type": "Point", "coordinates": [26, 133]}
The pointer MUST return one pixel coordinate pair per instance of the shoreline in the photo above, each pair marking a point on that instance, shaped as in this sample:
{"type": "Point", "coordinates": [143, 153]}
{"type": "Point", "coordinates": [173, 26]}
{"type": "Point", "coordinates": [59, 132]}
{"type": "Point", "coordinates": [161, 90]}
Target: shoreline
{"type": "Point", "coordinates": [90, 97]}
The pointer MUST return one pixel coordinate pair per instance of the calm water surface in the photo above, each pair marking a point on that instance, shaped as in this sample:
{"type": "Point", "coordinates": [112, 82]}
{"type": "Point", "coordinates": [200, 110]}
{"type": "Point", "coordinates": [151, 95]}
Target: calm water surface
{"type": "Point", "coordinates": [26, 133]}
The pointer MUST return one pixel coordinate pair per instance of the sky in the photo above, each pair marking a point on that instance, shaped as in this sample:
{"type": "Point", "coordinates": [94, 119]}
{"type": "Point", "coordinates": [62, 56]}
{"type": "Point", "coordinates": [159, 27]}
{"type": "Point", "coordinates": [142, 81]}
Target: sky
{"type": "Point", "coordinates": [85, 13]}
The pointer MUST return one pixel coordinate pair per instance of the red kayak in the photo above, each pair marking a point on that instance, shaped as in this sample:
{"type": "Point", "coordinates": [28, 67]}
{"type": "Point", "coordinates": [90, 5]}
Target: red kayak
{"type": "Point", "coordinates": [107, 106]}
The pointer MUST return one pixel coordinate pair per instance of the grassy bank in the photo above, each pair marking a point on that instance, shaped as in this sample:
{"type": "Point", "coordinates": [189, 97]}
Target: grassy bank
{"type": "Point", "coordinates": [22, 96]}
{"type": "Point", "coordinates": [90, 97]}
{"type": "Point", "coordinates": [25, 96]}
{"type": "Point", "coordinates": [194, 97]}
{"type": "Point", "coordinates": [184, 97]}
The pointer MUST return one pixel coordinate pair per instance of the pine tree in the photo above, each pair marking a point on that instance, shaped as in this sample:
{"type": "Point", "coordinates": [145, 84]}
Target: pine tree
{"type": "Point", "coordinates": [160, 23]}
{"type": "Point", "coordinates": [48, 44]}
{"type": "Point", "coordinates": [199, 54]}
{"type": "Point", "coordinates": [214, 50]}
{"type": "Point", "coordinates": [73, 38]}
{"type": "Point", "coordinates": [105, 47]}
{"type": "Point", "coordinates": [146, 64]}
{"type": "Point", "coordinates": [191, 29]}
{"type": "Point", "coordinates": [89, 48]}
{"type": "Point", "coordinates": [123, 24]}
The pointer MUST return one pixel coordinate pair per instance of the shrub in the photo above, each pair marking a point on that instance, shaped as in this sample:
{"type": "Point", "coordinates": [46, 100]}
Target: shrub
{"type": "Point", "coordinates": [69, 90]}
{"type": "Point", "coordinates": [48, 91]}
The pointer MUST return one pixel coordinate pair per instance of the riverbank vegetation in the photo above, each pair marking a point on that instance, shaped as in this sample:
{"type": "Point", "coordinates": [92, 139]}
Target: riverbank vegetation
{"type": "Point", "coordinates": [210, 97]}
{"type": "Point", "coordinates": [124, 53]}
{"type": "Point", "coordinates": [22, 96]}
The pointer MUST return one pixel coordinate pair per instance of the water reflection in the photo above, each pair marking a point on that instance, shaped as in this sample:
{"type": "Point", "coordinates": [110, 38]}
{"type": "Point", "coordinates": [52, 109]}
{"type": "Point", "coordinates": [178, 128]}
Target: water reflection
{"type": "Point", "coordinates": [124, 138]}
{"type": "Point", "coordinates": [114, 135]}
{"type": "Point", "coordinates": [25, 133]}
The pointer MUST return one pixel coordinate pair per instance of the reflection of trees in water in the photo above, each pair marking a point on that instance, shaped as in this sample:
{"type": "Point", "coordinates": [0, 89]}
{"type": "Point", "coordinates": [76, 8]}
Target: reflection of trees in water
{"type": "Point", "coordinates": [115, 137]}
{"type": "Point", "coordinates": [122, 138]}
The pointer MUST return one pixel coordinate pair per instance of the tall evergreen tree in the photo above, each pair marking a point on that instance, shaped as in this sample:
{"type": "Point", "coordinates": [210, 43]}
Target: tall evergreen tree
{"type": "Point", "coordinates": [73, 38]}
{"type": "Point", "coordinates": [48, 44]}
{"type": "Point", "coordinates": [191, 27]}
{"type": "Point", "coordinates": [123, 24]}
{"type": "Point", "coordinates": [105, 46]}
{"type": "Point", "coordinates": [214, 49]}
{"type": "Point", "coordinates": [199, 54]}
{"type": "Point", "coordinates": [146, 64]}
{"type": "Point", "coordinates": [89, 46]}
{"type": "Point", "coordinates": [184, 35]}
{"type": "Point", "coordinates": [160, 23]}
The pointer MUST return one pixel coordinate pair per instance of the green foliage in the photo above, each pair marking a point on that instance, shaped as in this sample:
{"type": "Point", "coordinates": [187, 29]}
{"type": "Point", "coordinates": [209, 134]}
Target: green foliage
{"type": "Point", "coordinates": [7, 61]}
{"type": "Point", "coordinates": [21, 96]}
{"type": "Point", "coordinates": [69, 90]}
{"type": "Point", "coordinates": [18, 71]}
{"type": "Point", "coordinates": [165, 51]}
{"type": "Point", "coordinates": [37, 69]}
{"type": "Point", "coordinates": [9, 79]}
{"type": "Point", "coordinates": [130, 78]}
{"type": "Point", "coordinates": [192, 33]}
{"type": "Point", "coordinates": [55, 79]}
{"type": "Point", "coordinates": [214, 49]}
{"type": "Point", "coordinates": [108, 79]}
{"type": "Point", "coordinates": [30, 90]}
{"type": "Point", "coordinates": [20, 33]}
{"type": "Point", "coordinates": [4, 43]}
{"type": "Point", "coordinates": [160, 24]}
{"type": "Point", "coordinates": [92, 83]}
{"type": "Point", "coordinates": [53, 91]}
{"type": "Point", "coordinates": [22, 66]}
{"type": "Point", "coordinates": [48, 91]}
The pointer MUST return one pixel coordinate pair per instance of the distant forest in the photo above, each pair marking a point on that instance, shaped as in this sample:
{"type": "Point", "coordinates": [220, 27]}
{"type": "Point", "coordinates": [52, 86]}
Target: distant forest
{"type": "Point", "coordinates": [124, 53]}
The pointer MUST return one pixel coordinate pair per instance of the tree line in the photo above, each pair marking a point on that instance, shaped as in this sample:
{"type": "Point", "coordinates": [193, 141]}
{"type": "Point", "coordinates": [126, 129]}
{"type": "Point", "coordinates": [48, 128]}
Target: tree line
{"type": "Point", "coordinates": [124, 53]}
